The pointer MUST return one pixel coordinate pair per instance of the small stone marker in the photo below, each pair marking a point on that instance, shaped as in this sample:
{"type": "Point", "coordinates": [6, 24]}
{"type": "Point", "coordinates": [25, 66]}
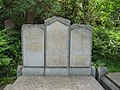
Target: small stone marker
{"type": "Point", "coordinates": [9, 23]}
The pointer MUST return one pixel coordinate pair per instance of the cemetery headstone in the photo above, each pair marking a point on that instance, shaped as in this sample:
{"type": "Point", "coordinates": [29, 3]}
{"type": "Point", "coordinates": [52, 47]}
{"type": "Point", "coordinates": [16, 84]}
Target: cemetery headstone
{"type": "Point", "coordinates": [33, 47]}
{"type": "Point", "coordinates": [56, 48]}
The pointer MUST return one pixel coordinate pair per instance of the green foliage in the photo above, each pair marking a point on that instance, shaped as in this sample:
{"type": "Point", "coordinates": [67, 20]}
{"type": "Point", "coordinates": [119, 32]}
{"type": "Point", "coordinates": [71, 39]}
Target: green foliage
{"type": "Point", "coordinates": [9, 52]}
{"type": "Point", "coordinates": [5, 81]}
{"type": "Point", "coordinates": [106, 47]}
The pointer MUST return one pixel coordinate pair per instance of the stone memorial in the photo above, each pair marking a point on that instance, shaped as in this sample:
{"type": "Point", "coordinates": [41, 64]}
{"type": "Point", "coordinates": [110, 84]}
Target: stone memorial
{"type": "Point", "coordinates": [56, 48]}
{"type": "Point", "coordinates": [80, 54]}
{"type": "Point", "coordinates": [57, 37]}
{"type": "Point", "coordinates": [57, 45]}
{"type": "Point", "coordinates": [33, 48]}
{"type": "Point", "coordinates": [80, 49]}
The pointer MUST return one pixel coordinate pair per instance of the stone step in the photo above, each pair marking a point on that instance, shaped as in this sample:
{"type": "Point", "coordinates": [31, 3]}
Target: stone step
{"type": "Point", "coordinates": [111, 81]}
{"type": "Point", "coordinates": [55, 83]}
{"type": "Point", "coordinates": [8, 87]}
{"type": "Point", "coordinates": [115, 77]}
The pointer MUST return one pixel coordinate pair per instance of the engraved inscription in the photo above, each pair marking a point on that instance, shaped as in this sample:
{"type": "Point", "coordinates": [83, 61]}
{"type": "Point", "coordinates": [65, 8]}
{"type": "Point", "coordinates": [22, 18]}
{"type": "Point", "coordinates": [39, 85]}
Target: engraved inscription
{"type": "Point", "coordinates": [57, 45]}
{"type": "Point", "coordinates": [80, 54]}
{"type": "Point", "coordinates": [33, 46]}
{"type": "Point", "coordinates": [79, 61]}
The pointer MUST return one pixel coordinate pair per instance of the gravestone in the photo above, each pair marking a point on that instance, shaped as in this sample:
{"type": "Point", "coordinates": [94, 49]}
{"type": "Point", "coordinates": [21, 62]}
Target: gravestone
{"type": "Point", "coordinates": [56, 48]}
{"type": "Point", "coordinates": [80, 50]}
{"type": "Point", "coordinates": [33, 48]}
{"type": "Point", "coordinates": [57, 45]}
{"type": "Point", "coordinates": [80, 54]}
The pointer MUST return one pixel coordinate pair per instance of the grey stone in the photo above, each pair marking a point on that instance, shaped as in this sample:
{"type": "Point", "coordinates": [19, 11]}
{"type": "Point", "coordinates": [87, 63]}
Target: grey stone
{"type": "Point", "coordinates": [9, 24]}
{"type": "Point", "coordinates": [80, 52]}
{"type": "Point", "coordinates": [93, 71]}
{"type": "Point", "coordinates": [74, 26]}
{"type": "Point", "coordinates": [8, 87]}
{"type": "Point", "coordinates": [108, 84]}
{"type": "Point", "coordinates": [57, 37]}
{"type": "Point", "coordinates": [19, 71]}
{"type": "Point", "coordinates": [80, 71]}
{"type": "Point", "coordinates": [56, 71]}
{"type": "Point", "coordinates": [101, 71]}
{"type": "Point", "coordinates": [56, 83]}
{"type": "Point", "coordinates": [115, 77]}
{"type": "Point", "coordinates": [56, 48]}
{"type": "Point", "coordinates": [32, 71]}
{"type": "Point", "coordinates": [33, 45]}
{"type": "Point", "coordinates": [86, 83]}
{"type": "Point", "coordinates": [54, 19]}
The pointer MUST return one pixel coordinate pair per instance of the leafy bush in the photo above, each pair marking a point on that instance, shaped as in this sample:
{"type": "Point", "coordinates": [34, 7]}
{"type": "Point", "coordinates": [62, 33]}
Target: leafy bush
{"type": "Point", "coordinates": [106, 47]}
{"type": "Point", "coordinates": [10, 52]}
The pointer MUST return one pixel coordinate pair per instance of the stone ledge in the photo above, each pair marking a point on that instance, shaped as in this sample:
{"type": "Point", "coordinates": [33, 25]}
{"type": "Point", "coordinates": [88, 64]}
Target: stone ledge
{"type": "Point", "coordinates": [56, 83]}
{"type": "Point", "coordinates": [39, 71]}
{"type": "Point", "coordinates": [108, 84]}
{"type": "Point", "coordinates": [30, 71]}
{"type": "Point", "coordinates": [8, 87]}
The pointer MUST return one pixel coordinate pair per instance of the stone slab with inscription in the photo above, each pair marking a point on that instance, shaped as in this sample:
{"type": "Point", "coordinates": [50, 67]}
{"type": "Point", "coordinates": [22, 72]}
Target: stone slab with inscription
{"type": "Point", "coordinates": [80, 51]}
{"type": "Point", "coordinates": [33, 45]}
{"type": "Point", "coordinates": [57, 42]}
{"type": "Point", "coordinates": [56, 48]}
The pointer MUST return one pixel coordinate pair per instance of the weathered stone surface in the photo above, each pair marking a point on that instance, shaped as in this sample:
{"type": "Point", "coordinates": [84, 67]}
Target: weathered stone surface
{"type": "Point", "coordinates": [33, 45]}
{"type": "Point", "coordinates": [93, 71]}
{"type": "Point", "coordinates": [80, 54]}
{"type": "Point", "coordinates": [57, 37]}
{"type": "Point", "coordinates": [32, 71]}
{"type": "Point", "coordinates": [56, 48]}
{"type": "Point", "coordinates": [7, 87]}
{"type": "Point", "coordinates": [19, 70]}
{"type": "Point", "coordinates": [55, 83]}
{"type": "Point", "coordinates": [56, 71]}
{"type": "Point", "coordinates": [108, 84]}
{"type": "Point", "coordinates": [101, 71]}
{"type": "Point", "coordinates": [80, 71]}
{"type": "Point", "coordinates": [54, 19]}
{"type": "Point", "coordinates": [115, 77]}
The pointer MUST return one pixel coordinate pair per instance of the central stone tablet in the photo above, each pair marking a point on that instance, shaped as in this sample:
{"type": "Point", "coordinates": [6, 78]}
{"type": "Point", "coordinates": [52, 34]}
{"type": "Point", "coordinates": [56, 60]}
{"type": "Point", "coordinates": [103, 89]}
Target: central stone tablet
{"type": "Point", "coordinates": [57, 42]}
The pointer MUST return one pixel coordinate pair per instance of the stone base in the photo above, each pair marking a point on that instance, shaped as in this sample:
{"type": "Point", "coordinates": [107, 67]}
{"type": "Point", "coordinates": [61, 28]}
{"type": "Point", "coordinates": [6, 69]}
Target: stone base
{"type": "Point", "coordinates": [56, 72]}
{"type": "Point", "coordinates": [32, 71]}
{"type": "Point", "coordinates": [39, 71]}
{"type": "Point", "coordinates": [80, 71]}
{"type": "Point", "coordinates": [55, 83]}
